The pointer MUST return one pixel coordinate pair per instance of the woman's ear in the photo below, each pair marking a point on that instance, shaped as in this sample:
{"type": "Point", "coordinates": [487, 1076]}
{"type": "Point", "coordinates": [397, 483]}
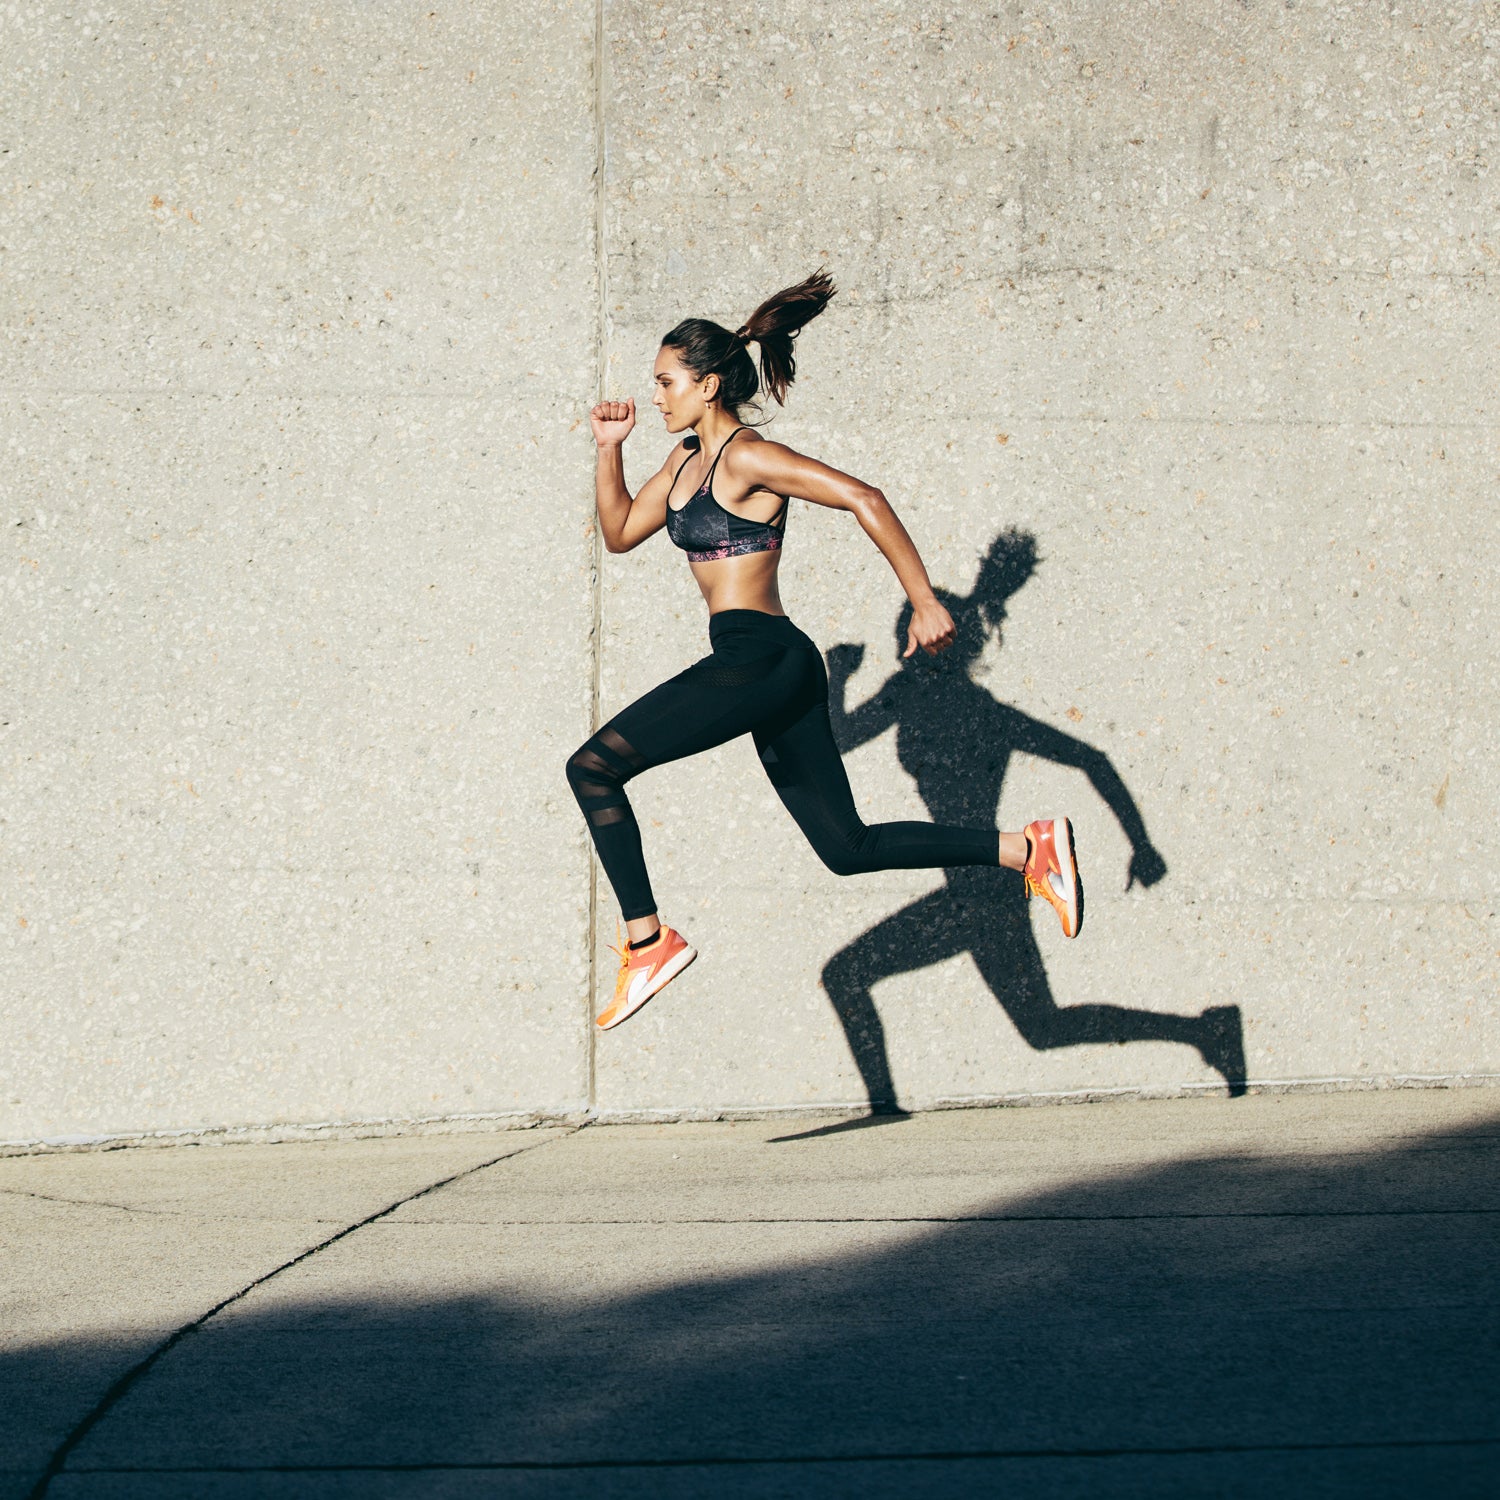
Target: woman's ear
{"type": "Point", "coordinates": [711, 388]}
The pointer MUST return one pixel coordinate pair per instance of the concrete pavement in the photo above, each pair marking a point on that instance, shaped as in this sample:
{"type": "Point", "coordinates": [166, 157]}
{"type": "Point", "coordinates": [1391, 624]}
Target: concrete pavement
{"type": "Point", "coordinates": [1170, 1298]}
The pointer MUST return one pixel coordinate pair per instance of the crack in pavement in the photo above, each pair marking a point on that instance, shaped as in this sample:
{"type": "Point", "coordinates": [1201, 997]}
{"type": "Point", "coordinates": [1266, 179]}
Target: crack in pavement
{"type": "Point", "coordinates": [740, 1461]}
{"type": "Point", "coordinates": [122, 1384]}
{"type": "Point", "coordinates": [170, 1213]}
{"type": "Point", "coordinates": [124, 1208]}
{"type": "Point", "coordinates": [167, 1213]}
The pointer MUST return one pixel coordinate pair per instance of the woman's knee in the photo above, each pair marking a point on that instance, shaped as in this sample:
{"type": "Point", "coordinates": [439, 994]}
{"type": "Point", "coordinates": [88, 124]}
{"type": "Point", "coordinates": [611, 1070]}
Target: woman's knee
{"type": "Point", "coordinates": [841, 853]}
{"type": "Point", "coordinates": [592, 774]}
{"type": "Point", "coordinates": [574, 767]}
{"type": "Point", "coordinates": [841, 863]}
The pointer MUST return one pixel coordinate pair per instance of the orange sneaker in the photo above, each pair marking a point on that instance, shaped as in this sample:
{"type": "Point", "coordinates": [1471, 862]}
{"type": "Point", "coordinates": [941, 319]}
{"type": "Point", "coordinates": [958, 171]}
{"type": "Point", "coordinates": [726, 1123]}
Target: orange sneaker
{"type": "Point", "coordinates": [1052, 872]}
{"type": "Point", "coordinates": [644, 971]}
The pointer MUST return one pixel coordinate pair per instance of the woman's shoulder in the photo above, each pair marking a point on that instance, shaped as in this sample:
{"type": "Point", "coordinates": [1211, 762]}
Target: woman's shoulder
{"type": "Point", "coordinates": [753, 456]}
{"type": "Point", "coordinates": [748, 440]}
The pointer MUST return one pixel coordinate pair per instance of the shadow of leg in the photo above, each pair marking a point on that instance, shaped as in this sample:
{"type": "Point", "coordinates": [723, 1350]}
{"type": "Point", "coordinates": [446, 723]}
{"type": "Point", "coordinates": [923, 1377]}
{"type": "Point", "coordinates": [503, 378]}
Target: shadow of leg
{"type": "Point", "coordinates": [913, 938]}
{"type": "Point", "coordinates": [859, 1122]}
{"type": "Point", "coordinates": [1005, 949]}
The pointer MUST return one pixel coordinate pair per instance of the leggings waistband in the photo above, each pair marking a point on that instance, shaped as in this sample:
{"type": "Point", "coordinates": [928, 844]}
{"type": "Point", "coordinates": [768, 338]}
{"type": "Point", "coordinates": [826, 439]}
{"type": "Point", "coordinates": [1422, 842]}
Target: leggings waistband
{"type": "Point", "coordinates": [756, 624]}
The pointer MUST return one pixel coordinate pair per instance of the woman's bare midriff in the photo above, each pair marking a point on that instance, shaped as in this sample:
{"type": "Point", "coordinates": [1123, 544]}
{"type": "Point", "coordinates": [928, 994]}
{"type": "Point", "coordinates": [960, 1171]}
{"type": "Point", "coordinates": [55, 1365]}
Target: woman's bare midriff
{"type": "Point", "coordinates": [741, 583]}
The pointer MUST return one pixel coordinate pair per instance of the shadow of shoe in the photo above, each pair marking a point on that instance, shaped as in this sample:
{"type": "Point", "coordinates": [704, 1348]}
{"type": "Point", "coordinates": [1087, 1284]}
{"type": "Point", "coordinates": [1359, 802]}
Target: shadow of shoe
{"type": "Point", "coordinates": [1223, 1045]}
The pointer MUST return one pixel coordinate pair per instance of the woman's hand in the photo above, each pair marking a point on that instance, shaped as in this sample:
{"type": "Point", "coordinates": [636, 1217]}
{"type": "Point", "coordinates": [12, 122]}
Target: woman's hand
{"type": "Point", "coordinates": [612, 422]}
{"type": "Point", "coordinates": [931, 629]}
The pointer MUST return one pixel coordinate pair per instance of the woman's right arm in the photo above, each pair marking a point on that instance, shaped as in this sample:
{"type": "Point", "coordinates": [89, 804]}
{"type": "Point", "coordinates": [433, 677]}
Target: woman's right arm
{"type": "Point", "coordinates": [623, 521]}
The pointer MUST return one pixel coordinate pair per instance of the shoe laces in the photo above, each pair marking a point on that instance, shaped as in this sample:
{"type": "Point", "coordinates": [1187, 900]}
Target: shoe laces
{"type": "Point", "coordinates": [621, 947]}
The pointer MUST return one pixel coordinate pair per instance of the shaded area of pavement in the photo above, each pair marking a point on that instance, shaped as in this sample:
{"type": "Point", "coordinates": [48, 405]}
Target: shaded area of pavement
{"type": "Point", "coordinates": [1166, 1298]}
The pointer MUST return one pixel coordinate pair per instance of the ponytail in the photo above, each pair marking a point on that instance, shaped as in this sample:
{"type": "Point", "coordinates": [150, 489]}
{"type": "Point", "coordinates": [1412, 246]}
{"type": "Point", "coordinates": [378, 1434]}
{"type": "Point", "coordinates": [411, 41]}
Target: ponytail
{"type": "Point", "coordinates": [708, 349]}
{"type": "Point", "coordinates": [776, 323]}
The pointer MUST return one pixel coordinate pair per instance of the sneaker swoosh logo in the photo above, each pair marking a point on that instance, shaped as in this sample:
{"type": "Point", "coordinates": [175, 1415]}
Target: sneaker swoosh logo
{"type": "Point", "coordinates": [638, 985]}
{"type": "Point", "coordinates": [1056, 882]}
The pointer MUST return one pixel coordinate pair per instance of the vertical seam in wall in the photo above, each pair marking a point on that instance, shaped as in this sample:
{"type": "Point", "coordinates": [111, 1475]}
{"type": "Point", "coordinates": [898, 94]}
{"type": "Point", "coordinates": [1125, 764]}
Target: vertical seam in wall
{"type": "Point", "coordinates": [596, 630]}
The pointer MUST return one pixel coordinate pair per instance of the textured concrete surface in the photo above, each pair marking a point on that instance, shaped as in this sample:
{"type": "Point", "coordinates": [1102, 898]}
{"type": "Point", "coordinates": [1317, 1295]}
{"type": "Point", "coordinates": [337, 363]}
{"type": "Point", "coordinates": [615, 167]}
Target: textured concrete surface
{"type": "Point", "coordinates": [1201, 300]}
{"type": "Point", "coordinates": [302, 316]}
{"type": "Point", "coordinates": [1147, 1298]}
{"type": "Point", "coordinates": [298, 580]}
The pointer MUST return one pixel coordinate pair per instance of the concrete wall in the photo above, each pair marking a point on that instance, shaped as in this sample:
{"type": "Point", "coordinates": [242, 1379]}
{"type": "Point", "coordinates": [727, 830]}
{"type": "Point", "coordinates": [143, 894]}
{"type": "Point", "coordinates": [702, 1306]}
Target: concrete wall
{"type": "Point", "coordinates": [303, 314]}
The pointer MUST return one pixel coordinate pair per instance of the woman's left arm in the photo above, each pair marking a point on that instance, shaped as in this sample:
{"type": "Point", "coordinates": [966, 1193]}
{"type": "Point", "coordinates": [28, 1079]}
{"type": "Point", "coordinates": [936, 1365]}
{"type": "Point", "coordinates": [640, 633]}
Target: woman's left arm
{"type": "Point", "coordinates": [776, 467]}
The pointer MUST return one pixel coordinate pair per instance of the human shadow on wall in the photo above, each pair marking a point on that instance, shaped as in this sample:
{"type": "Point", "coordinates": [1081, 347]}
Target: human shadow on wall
{"type": "Point", "coordinates": [956, 741]}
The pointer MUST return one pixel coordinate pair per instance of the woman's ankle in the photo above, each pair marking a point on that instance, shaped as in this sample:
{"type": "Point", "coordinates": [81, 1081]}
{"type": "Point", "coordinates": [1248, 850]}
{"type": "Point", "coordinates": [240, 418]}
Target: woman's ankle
{"type": "Point", "coordinates": [1013, 851]}
{"type": "Point", "coordinates": [642, 932]}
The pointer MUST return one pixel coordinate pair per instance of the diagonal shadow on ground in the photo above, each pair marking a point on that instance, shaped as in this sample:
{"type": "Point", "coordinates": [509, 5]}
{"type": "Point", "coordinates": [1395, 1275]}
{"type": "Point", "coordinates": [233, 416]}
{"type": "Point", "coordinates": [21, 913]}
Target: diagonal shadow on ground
{"type": "Point", "coordinates": [1220, 1325]}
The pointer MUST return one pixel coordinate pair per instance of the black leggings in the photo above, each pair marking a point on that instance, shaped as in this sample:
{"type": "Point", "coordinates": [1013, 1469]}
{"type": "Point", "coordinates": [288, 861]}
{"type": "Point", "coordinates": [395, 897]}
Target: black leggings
{"type": "Point", "coordinates": [764, 678]}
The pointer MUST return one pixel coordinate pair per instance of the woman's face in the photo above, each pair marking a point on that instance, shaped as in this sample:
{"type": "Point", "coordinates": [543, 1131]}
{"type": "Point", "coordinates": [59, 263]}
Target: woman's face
{"type": "Point", "coordinates": [677, 393]}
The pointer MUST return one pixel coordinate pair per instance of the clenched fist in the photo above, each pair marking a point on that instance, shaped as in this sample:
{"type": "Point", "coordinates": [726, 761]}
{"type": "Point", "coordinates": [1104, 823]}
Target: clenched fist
{"type": "Point", "coordinates": [612, 421]}
{"type": "Point", "coordinates": [931, 628]}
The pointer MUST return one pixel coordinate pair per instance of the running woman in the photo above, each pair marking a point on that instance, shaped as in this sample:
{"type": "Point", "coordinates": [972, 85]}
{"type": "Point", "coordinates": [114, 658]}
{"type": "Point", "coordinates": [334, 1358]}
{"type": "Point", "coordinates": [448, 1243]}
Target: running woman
{"type": "Point", "coordinates": [722, 495]}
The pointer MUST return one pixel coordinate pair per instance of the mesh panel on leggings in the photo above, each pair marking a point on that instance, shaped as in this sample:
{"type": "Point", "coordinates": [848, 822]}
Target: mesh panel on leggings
{"type": "Point", "coordinates": [615, 742]}
{"type": "Point", "coordinates": [586, 760]}
{"type": "Point", "coordinates": [734, 674]}
{"type": "Point", "coordinates": [598, 773]}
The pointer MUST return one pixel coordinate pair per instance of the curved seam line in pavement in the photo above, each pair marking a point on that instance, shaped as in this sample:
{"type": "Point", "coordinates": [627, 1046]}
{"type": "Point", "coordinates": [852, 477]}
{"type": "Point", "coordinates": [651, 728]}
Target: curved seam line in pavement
{"type": "Point", "coordinates": [123, 1383]}
{"type": "Point", "coordinates": [1196, 1450]}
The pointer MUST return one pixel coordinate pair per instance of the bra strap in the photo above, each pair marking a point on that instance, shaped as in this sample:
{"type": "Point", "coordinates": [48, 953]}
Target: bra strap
{"type": "Point", "coordinates": [678, 471]}
{"type": "Point", "coordinates": [708, 486]}
{"type": "Point", "coordinates": [708, 483]}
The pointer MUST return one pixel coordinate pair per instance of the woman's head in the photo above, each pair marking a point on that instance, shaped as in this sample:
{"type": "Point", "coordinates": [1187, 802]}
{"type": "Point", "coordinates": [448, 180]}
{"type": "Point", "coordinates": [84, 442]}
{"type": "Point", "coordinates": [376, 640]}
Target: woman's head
{"type": "Point", "coordinates": [701, 364]}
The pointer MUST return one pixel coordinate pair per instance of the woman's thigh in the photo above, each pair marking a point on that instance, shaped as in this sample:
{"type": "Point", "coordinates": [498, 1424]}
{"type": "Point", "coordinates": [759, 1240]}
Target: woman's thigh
{"type": "Point", "coordinates": [802, 760]}
{"type": "Point", "coordinates": [709, 704]}
{"type": "Point", "coordinates": [804, 765]}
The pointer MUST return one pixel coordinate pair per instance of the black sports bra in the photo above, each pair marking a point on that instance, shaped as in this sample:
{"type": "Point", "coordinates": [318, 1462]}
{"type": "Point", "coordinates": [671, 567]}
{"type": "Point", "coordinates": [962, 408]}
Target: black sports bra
{"type": "Point", "coordinates": [707, 532]}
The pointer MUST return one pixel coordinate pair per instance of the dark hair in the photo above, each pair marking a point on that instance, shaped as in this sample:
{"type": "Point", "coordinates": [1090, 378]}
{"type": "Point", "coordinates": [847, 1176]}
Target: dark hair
{"type": "Point", "coordinates": [709, 349]}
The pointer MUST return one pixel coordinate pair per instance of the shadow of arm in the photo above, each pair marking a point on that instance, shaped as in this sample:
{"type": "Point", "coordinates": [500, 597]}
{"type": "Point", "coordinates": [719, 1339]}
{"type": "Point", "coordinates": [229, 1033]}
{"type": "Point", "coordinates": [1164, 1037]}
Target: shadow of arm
{"type": "Point", "coordinates": [1036, 738]}
{"type": "Point", "coordinates": [874, 716]}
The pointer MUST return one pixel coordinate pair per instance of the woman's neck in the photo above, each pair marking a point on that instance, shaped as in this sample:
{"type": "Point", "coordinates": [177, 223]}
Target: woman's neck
{"type": "Point", "coordinates": [714, 428]}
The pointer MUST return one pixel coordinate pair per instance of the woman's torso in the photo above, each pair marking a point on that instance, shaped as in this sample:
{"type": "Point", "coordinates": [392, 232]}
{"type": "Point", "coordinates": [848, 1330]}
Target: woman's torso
{"type": "Point", "coordinates": [731, 531]}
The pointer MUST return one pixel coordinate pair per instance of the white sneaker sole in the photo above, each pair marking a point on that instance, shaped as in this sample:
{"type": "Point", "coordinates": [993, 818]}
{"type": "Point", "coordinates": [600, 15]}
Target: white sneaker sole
{"type": "Point", "coordinates": [663, 977]}
{"type": "Point", "coordinates": [1069, 872]}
